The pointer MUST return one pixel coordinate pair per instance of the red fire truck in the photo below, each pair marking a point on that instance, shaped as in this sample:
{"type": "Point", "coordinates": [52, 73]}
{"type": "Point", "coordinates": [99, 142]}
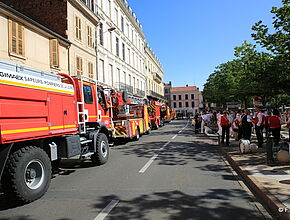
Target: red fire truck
{"type": "Point", "coordinates": [165, 114]}
{"type": "Point", "coordinates": [154, 114]}
{"type": "Point", "coordinates": [45, 117]}
{"type": "Point", "coordinates": [127, 120]}
{"type": "Point", "coordinates": [130, 121]}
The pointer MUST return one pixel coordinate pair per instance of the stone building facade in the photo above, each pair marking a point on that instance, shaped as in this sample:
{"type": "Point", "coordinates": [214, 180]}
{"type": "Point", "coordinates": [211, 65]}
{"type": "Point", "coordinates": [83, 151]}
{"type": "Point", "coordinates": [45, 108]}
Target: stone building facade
{"type": "Point", "coordinates": [186, 100]}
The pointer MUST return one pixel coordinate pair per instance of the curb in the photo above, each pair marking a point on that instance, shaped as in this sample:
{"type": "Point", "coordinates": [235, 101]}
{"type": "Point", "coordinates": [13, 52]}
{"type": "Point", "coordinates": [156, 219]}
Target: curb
{"type": "Point", "coordinates": [269, 201]}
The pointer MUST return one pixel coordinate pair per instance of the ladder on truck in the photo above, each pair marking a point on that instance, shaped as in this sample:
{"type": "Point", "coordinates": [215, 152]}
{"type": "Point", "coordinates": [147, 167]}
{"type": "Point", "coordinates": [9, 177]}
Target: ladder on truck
{"type": "Point", "coordinates": [81, 105]}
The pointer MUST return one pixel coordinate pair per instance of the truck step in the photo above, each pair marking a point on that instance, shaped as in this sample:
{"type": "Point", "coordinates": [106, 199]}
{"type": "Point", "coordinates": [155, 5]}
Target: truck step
{"type": "Point", "coordinates": [83, 156]}
{"type": "Point", "coordinates": [86, 141]}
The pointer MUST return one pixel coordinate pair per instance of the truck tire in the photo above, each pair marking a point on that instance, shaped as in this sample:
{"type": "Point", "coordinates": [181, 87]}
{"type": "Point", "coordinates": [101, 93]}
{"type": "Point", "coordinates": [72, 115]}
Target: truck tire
{"type": "Point", "coordinates": [101, 156]}
{"type": "Point", "coordinates": [27, 174]}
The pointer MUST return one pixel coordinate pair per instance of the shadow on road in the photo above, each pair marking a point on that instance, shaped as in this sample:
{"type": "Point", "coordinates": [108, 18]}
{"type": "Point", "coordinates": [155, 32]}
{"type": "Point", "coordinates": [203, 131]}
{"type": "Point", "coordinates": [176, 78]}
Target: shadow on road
{"type": "Point", "coordinates": [212, 204]}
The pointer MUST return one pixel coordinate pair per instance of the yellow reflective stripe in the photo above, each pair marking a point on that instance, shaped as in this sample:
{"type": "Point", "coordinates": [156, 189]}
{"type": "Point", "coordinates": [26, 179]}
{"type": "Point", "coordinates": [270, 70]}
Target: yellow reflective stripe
{"type": "Point", "coordinates": [34, 87]}
{"type": "Point", "coordinates": [36, 129]}
{"type": "Point", "coordinates": [23, 130]}
{"type": "Point", "coordinates": [93, 116]}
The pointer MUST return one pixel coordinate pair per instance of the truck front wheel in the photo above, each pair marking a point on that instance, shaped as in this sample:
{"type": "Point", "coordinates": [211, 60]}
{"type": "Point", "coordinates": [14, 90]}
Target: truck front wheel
{"type": "Point", "coordinates": [102, 146]}
{"type": "Point", "coordinates": [27, 174]}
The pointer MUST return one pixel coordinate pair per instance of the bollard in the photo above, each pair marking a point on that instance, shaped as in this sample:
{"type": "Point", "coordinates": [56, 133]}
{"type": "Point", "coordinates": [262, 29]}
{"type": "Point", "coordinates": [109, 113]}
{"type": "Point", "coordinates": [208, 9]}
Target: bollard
{"type": "Point", "coordinates": [269, 148]}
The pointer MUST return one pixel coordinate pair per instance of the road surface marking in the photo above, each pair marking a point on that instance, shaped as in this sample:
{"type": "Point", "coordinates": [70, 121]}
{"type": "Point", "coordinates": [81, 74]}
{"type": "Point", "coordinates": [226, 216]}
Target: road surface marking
{"type": "Point", "coordinates": [180, 131]}
{"type": "Point", "coordinates": [148, 164]}
{"type": "Point", "coordinates": [174, 136]}
{"type": "Point", "coordinates": [107, 210]}
{"type": "Point", "coordinates": [164, 145]}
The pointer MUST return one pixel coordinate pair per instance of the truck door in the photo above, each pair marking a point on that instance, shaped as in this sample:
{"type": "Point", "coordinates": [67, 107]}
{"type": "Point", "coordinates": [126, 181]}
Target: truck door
{"type": "Point", "coordinates": [69, 113]}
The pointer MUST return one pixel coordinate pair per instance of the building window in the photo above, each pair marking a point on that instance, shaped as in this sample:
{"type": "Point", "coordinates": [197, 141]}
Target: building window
{"type": "Point", "coordinates": [192, 104]}
{"type": "Point", "coordinates": [116, 16]}
{"type": "Point", "coordinates": [174, 97]}
{"type": "Point", "coordinates": [112, 74]}
{"type": "Point", "coordinates": [117, 46]}
{"type": "Point", "coordinates": [90, 37]}
{"type": "Point", "coordinates": [101, 34]}
{"type": "Point", "coordinates": [186, 104]}
{"type": "Point", "coordinates": [192, 96]}
{"type": "Point", "coordinates": [79, 66]}
{"type": "Point", "coordinates": [122, 24]}
{"type": "Point", "coordinates": [128, 30]}
{"type": "Point", "coordinates": [16, 38]}
{"type": "Point", "coordinates": [54, 53]}
{"type": "Point", "coordinates": [90, 70]}
{"type": "Point", "coordinates": [123, 51]}
{"type": "Point", "coordinates": [101, 71]}
{"type": "Point", "coordinates": [129, 55]}
{"type": "Point", "coordinates": [186, 96]}
{"type": "Point", "coordinates": [78, 28]}
{"type": "Point", "coordinates": [174, 104]}
{"type": "Point", "coordinates": [180, 104]}
{"type": "Point", "coordinates": [179, 97]}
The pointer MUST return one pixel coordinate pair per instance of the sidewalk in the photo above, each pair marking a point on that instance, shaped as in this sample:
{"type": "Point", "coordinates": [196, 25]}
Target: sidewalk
{"type": "Point", "coordinates": [270, 184]}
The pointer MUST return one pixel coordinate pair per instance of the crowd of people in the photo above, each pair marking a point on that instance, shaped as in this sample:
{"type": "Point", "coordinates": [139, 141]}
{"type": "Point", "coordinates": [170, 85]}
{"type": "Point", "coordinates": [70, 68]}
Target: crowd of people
{"type": "Point", "coordinates": [241, 124]}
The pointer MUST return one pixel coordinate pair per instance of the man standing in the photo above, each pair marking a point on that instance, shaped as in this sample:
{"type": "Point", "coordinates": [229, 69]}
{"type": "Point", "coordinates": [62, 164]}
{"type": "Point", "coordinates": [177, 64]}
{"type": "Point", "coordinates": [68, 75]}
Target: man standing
{"type": "Point", "coordinates": [246, 124]}
{"type": "Point", "coordinates": [225, 124]}
{"type": "Point", "coordinates": [259, 121]}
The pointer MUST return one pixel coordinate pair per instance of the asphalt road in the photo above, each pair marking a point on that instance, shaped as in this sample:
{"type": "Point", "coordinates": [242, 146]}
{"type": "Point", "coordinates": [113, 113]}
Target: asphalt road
{"type": "Point", "coordinates": [169, 174]}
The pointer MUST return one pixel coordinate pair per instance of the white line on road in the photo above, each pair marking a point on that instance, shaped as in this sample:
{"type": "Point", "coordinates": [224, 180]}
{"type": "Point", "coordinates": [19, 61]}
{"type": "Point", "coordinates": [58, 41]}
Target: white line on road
{"type": "Point", "coordinates": [164, 145]}
{"type": "Point", "coordinates": [174, 136]}
{"type": "Point", "coordinates": [106, 210]}
{"type": "Point", "coordinates": [148, 164]}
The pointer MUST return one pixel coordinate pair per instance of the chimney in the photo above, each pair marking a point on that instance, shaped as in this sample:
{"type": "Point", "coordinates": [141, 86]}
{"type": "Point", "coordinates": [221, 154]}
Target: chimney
{"type": "Point", "coordinates": [186, 85]}
{"type": "Point", "coordinates": [169, 82]}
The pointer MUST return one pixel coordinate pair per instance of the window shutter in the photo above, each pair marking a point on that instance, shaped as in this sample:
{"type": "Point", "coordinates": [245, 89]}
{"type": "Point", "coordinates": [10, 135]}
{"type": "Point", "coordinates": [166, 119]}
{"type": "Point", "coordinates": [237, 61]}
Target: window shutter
{"type": "Point", "coordinates": [20, 40]}
{"type": "Point", "coordinates": [77, 30]}
{"type": "Point", "coordinates": [80, 30]}
{"type": "Point", "coordinates": [54, 53]}
{"type": "Point", "coordinates": [14, 37]}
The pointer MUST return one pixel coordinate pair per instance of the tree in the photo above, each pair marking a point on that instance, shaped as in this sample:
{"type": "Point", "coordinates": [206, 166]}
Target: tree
{"type": "Point", "coordinates": [278, 43]}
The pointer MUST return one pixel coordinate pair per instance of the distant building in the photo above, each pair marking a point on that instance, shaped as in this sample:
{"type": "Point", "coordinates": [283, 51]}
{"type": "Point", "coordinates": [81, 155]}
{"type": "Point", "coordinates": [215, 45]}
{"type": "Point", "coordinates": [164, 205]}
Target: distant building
{"type": "Point", "coordinates": [186, 100]}
{"type": "Point", "coordinates": [167, 93]}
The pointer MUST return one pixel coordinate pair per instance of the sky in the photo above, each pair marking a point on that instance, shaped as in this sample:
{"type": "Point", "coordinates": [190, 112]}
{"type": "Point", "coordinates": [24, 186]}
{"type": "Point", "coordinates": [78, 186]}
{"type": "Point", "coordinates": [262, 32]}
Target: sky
{"type": "Point", "coordinates": [192, 37]}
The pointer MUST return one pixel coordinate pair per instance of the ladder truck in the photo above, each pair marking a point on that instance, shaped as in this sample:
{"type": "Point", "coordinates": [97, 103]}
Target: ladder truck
{"type": "Point", "coordinates": [45, 117]}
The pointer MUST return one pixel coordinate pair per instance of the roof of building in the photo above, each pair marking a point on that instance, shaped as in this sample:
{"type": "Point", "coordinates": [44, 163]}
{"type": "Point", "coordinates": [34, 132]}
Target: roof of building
{"type": "Point", "coordinates": [184, 89]}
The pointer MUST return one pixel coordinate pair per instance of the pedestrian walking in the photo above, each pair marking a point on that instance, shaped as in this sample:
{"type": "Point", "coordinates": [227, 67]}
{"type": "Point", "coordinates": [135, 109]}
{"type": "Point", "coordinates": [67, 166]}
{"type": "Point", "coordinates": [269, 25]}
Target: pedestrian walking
{"type": "Point", "coordinates": [246, 125]}
{"type": "Point", "coordinates": [225, 124]}
{"type": "Point", "coordinates": [275, 123]}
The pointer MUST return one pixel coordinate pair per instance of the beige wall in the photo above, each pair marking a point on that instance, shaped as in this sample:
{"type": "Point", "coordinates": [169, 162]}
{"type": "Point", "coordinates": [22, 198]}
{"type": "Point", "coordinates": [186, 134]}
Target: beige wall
{"type": "Point", "coordinates": [154, 67]}
{"type": "Point", "coordinates": [81, 48]}
{"type": "Point", "coordinates": [36, 42]}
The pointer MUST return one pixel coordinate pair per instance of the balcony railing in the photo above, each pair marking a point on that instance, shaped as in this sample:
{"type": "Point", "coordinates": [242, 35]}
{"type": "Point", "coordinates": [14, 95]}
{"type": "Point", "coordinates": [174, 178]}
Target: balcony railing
{"type": "Point", "coordinates": [139, 92]}
{"type": "Point", "coordinates": [157, 77]}
{"type": "Point", "coordinates": [124, 87]}
{"type": "Point", "coordinates": [155, 94]}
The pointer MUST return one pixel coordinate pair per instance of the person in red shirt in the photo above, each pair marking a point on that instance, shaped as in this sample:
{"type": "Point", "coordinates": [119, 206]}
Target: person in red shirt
{"type": "Point", "coordinates": [225, 124]}
{"type": "Point", "coordinates": [275, 123]}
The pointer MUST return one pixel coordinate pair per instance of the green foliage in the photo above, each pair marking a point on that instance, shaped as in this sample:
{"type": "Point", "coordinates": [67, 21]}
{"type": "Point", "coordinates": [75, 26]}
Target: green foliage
{"type": "Point", "coordinates": [255, 73]}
